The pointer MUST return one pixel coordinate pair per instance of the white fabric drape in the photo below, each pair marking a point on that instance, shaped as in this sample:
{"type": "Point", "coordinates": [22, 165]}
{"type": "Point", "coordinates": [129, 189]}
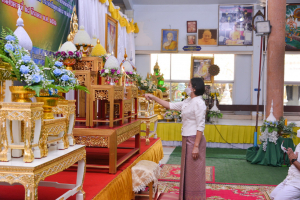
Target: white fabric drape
{"type": "Point", "coordinates": [92, 16]}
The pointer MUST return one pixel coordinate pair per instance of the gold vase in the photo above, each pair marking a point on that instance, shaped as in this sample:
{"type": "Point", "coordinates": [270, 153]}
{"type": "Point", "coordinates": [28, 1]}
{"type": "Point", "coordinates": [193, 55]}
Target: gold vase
{"type": "Point", "coordinates": [69, 62]}
{"type": "Point", "coordinates": [21, 95]}
{"type": "Point", "coordinates": [45, 93]}
{"type": "Point", "coordinates": [49, 102]}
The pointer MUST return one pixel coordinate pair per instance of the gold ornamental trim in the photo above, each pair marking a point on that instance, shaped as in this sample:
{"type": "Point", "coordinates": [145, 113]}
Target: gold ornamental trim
{"type": "Point", "coordinates": [92, 141]}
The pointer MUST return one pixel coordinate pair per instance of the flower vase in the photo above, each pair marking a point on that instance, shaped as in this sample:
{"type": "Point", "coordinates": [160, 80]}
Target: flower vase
{"type": "Point", "coordinates": [112, 81]}
{"type": "Point", "coordinates": [176, 118]}
{"type": "Point", "coordinates": [69, 62]}
{"type": "Point", "coordinates": [21, 95]}
{"type": "Point", "coordinates": [49, 102]}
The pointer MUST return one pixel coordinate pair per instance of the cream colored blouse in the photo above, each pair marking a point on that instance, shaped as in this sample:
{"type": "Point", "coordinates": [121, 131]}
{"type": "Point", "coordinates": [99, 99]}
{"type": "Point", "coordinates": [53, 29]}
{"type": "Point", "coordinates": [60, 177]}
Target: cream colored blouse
{"type": "Point", "coordinates": [192, 113]}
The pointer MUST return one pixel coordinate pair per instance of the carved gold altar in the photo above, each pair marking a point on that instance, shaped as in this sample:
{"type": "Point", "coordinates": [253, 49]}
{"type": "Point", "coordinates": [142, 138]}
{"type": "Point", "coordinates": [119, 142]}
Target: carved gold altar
{"type": "Point", "coordinates": [24, 128]}
{"type": "Point", "coordinates": [148, 121]}
{"type": "Point", "coordinates": [30, 113]}
{"type": "Point", "coordinates": [31, 175]}
{"type": "Point", "coordinates": [110, 138]}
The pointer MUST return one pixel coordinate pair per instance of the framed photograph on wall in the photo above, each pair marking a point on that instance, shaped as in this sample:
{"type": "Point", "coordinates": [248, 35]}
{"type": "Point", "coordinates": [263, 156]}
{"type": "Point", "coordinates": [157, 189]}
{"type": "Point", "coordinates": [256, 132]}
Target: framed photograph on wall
{"type": "Point", "coordinates": [111, 35]}
{"type": "Point", "coordinates": [169, 40]}
{"type": "Point", "coordinates": [200, 66]}
{"type": "Point", "coordinates": [191, 26]}
{"type": "Point", "coordinates": [191, 39]}
{"type": "Point", "coordinates": [292, 27]}
{"type": "Point", "coordinates": [235, 25]}
{"type": "Point", "coordinates": [207, 37]}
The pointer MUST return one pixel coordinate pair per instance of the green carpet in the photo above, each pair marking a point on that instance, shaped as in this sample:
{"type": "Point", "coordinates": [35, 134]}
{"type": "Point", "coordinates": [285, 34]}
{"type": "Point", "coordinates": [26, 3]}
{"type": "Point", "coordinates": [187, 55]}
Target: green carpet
{"type": "Point", "coordinates": [231, 167]}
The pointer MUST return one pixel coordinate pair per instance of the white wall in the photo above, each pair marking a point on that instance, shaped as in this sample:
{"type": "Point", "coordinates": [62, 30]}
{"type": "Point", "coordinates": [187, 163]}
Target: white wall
{"type": "Point", "coordinates": [142, 62]}
{"type": "Point", "coordinates": [153, 18]}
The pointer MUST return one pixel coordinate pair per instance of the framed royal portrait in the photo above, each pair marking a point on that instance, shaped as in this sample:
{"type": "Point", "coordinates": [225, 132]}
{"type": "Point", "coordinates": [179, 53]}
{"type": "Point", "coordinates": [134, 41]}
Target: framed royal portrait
{"type": "Point", "coordinates": [235, 25]}
{"type": "Point", "coordinates": [200, 66]}
{"type": "Point", "coordinates": [191, 26]}
{"type": "Point", "coordinates": [111, 35]}
{"type": "Point", "coordinates": [191, 39]}
{"type": "Point", "coordinates": [207, 37]}
{"type": "Point", "coordinates": [169, 40]}
{"type": "Point", "coordinates": [292, 27]}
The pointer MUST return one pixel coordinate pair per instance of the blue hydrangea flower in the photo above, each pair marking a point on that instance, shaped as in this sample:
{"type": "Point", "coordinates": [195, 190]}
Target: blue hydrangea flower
{"type": "Point", "coordinates": [26, 59]}
{"type": "Point", "coordinates": [50, 92]}
{"type": "Point", "coordinates": [57, 72]}
{"type": "Point", "coordinates": [65, 78]}
{"type": "Point", "coordinates": [55, 90]}
{"type": "Point", "coordinates": [10, 38]}
{"type": "Point", "coordinates": [24, 69]}
{"type": "Point", "coordinates": [36, 78]}
{"type": "Point", "coordinates": [73, 80]}
{"type": "Point", "coordinates": [36, 68]}
{"type": "Point", "coordinates": [58, 64]}
{"type": "Point", "coordinates": [18, 49]}
{"type": "Point", "coordinates": [8, 47]}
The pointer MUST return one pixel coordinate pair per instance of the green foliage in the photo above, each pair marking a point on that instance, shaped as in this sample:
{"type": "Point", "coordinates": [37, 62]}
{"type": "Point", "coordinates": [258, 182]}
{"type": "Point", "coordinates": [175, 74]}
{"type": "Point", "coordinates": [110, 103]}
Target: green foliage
{"type": "Point", "coordinates": [217, 114]}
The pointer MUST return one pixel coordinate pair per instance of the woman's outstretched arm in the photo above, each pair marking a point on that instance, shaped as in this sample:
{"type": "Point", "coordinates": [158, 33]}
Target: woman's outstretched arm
{"type": "Point", "coordinates": [164, 103]}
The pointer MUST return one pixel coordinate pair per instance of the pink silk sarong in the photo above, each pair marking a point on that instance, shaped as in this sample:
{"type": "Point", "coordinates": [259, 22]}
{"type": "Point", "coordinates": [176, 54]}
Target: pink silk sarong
{"type": "Point", "coordinates": [192, 172]}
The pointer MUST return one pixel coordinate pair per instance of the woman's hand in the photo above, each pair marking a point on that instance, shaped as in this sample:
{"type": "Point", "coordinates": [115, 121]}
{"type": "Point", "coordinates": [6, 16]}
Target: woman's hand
{"type": "Point", "coordinates": [149, 96]}
{"type": "Point", "coordinates": [195, 153]}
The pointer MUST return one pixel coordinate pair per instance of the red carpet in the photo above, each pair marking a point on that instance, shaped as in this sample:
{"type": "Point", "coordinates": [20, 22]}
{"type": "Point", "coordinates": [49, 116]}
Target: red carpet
{"type": "Point", "coordinates": [94, 182]}
{"type": "Point", "coordinates": [225, 190]}
{"type": "Point", "coordinates": [172, 173]}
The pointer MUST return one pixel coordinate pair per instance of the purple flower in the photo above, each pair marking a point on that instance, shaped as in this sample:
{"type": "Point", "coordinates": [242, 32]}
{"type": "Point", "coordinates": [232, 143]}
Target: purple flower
{"type": "Point", "coordinates": [102, 71]}
{"type": "Point", "coordinates": [118, 71]}
{"type": "Point", "coordinates": [63, 53]}
{"type": "Point", "coordinates": [130, 72]}
{"type": "Point", "coordinates": [127, 73]}
{"type": "Point", "coordinates": [70, 53]}
{"type": "Point", "coordinates": [78, 54]}
{"type": "Point", "coordinates": [57, 53]}
{"type": "Point", "coordinates": [112, 71]}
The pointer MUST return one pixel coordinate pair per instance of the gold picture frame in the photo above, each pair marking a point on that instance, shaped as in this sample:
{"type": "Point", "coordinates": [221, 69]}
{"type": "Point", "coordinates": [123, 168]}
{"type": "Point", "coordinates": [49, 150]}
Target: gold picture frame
{"type": "Point", "coordinates": [200, 66]}
{"type": "Point", "coordinates": [111, 35]}
{"type": "Point", "coordinates": [169, 40]}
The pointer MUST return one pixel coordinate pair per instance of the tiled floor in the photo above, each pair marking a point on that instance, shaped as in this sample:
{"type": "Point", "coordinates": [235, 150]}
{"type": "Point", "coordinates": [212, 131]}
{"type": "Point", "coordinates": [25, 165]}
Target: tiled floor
{"type": "Point", "coordinates": [167, 153]}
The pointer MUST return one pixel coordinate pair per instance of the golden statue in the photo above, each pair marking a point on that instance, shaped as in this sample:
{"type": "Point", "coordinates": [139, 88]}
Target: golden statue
{"type": "Point", "coordinates": [73, 25]}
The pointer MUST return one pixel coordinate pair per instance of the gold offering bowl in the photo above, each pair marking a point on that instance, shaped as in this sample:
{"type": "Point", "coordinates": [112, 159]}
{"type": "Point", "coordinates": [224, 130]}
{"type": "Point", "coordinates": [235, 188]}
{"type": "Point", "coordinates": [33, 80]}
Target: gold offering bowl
{"type": "Point", "coordinates": [49, 102]}
{"type": "Point", "coordinates": [21, 95]}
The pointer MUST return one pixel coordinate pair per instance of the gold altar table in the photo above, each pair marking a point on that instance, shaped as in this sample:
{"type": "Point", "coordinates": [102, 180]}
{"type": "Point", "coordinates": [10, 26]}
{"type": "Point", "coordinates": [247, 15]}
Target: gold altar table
{"type": "Point", "coordinates": [110, 138]}
{"type": "Point", "coordinates": [148, 121]}
{"type": "Point", "coordinates": [31, 175]}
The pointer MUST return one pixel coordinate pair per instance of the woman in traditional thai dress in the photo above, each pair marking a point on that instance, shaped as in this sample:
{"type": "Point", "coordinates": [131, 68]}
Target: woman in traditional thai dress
{"type": "Point", "coordinates": [193, 109]}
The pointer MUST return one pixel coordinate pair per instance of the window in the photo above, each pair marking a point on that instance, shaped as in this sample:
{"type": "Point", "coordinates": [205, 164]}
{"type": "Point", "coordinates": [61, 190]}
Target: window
{"type": "Point", "coordinates": [292, 68]}
{"type": "Point", "coordinates": [176, 70]}
{"type": "Point", "coordinates": [291, 94]}
{"type": "Point", "coordinates": [163, 63]}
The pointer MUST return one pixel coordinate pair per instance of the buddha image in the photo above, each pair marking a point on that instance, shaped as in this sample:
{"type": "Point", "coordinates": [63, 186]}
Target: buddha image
{"type": "Point", "coordinates": [191, 39]}
{"type": "Point", "coordinates": [208, 37]}
{"type": "Point", "coordinates": [235, 37]}
{"type": "Point", "coordinates": [201, 69]}
{"type": "Point", "coordinates": [111, 38]}
{"type": "Point", "coordinates": [170, 44]}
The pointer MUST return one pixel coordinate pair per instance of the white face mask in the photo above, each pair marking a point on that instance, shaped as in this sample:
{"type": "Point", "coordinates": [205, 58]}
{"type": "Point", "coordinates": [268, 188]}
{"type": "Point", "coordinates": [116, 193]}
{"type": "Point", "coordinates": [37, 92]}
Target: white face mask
{"type": "Point", "coordinates": [188, 91]}
{"type": "Point", "coordinates": [298, 133]}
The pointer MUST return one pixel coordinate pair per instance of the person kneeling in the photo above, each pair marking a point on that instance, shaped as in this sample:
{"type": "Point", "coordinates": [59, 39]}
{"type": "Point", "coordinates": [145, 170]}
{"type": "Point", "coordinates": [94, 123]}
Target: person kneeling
{"type": "Point", "coordinates": [289, 188]}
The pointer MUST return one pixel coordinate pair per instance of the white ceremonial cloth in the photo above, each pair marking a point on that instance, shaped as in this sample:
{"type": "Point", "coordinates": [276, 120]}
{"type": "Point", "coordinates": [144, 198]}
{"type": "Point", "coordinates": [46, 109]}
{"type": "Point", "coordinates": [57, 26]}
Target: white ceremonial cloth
{"type": "Point", "coordinates": [143, 173]}
{"type": "Point", "coordinates": [193, 112]}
